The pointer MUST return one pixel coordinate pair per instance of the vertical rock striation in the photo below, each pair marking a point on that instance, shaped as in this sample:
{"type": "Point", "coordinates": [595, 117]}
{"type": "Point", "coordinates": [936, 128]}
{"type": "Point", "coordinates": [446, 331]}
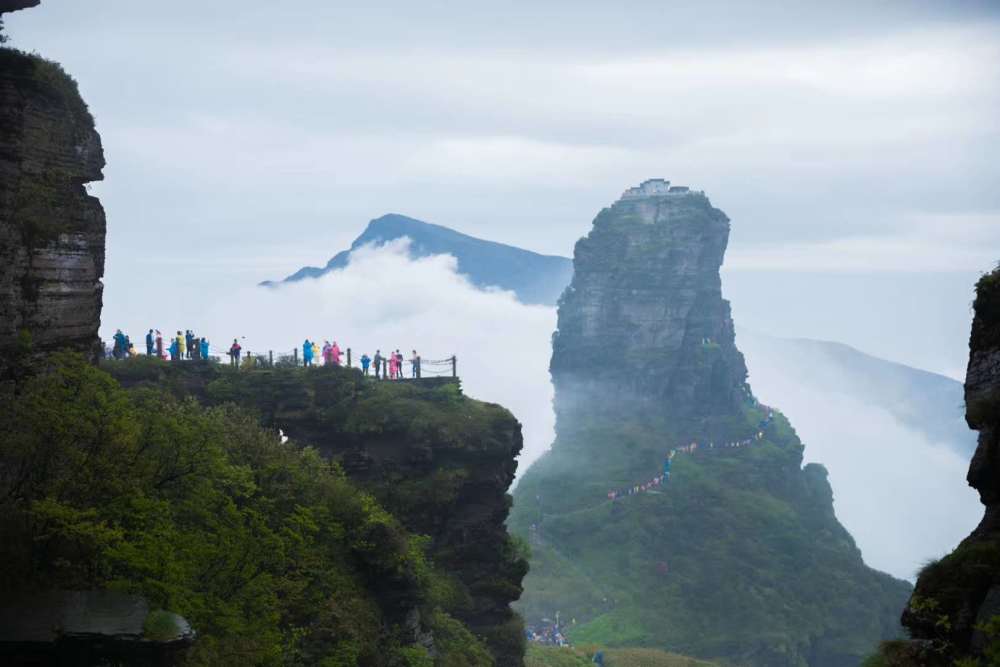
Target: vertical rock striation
{"type": "Point", "coordinates": [51, 230]}
{"type": "Point", "coordinates": [644, 315]}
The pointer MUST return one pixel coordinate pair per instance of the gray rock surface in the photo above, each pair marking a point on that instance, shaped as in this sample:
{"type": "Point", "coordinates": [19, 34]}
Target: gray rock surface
{"type": "Point", "coordinates": [645, 313]}
{"type": "Point", "coordinates": [52, 231]}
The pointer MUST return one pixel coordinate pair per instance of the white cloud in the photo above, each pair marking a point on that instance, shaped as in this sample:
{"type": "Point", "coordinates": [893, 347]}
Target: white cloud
{"type": "Point", "coordinates": [939, 243]}
{"type": "Point", "coordinates": [385, 300]}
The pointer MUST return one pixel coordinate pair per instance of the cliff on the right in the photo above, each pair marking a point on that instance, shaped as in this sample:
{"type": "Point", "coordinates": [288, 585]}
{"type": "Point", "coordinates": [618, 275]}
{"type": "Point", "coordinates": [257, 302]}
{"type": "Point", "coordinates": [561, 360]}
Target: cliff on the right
{"type": "Point", "coordinates": [953, 617]}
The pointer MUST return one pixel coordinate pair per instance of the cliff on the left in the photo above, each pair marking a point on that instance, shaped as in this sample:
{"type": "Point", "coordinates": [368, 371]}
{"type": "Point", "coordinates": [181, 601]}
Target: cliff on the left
{"type": "Point", "coordinates": [51, 230]}
{"type": "Point", "coordinates": [159, 514]}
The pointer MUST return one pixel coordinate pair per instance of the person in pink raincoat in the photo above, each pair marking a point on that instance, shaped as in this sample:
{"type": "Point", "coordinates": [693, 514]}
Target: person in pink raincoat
{"type": "Point", "coordinates": [326, 353]}
{"type": "Point", "coordinates": [335, 353]}
{"type": "Point", "coordinates": [392, 366]}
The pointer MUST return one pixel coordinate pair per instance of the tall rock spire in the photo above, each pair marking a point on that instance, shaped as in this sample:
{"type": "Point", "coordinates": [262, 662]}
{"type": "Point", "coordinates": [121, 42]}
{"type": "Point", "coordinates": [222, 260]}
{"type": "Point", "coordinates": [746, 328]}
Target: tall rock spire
{"type": "Point", "coordinates": [644, 316]}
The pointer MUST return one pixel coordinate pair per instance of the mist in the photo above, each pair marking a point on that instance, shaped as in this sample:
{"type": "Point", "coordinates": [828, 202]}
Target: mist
{"type": "Point", "coordinates": [894, 488]}
{"type": "Point", "coordinates": [385, 300]}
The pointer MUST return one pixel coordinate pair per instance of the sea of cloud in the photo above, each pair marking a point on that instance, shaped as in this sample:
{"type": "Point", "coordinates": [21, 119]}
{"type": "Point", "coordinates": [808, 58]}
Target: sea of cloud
{"type": "Point", "coordinates": [900, 495]}
{"type": "Point", "coordinates": [386, 300]}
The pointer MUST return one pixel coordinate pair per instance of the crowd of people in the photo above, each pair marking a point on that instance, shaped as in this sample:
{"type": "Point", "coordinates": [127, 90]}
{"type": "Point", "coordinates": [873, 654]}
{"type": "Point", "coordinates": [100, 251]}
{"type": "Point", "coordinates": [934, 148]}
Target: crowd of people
{"type": "Point", "coordinates": [691, 448]}
{"type": "Point", "coordinates": [547, 634]}
{"type": "Point", "coordinates": [188, 346]}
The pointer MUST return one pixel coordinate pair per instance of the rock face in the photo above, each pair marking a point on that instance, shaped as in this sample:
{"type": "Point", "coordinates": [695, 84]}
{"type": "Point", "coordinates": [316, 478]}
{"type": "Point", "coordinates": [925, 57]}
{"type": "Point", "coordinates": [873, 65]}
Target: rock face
{"type": "Point", "coordinates": [51, 231]}
{"type": "Point", "coordinates": [955, 609]}
{"type": "Point", "coordinates": [737, 555]}
{"type": "Point", "coordinates": [645, 310]}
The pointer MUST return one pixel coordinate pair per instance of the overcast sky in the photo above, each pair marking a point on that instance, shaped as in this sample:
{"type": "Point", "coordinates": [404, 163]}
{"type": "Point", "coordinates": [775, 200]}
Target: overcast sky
{"type": "Point", "coordinates": [853, 144]}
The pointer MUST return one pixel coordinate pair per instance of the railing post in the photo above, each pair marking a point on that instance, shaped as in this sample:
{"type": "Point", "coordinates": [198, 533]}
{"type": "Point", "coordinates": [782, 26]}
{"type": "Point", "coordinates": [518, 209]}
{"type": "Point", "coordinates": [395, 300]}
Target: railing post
{"type": "Point", "coordinates": [270, 358]}
{"type": "Point", "coordinates": [348, 357]}
{"type": "Point", "coordinates": [454, 366]}
{"type": "Point", "coordinates": [295, 354]}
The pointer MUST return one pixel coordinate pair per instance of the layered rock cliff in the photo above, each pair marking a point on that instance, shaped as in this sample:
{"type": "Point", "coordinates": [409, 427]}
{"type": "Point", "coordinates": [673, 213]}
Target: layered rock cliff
{"type": "Point", "coordinates": [954, 613]}
{"type": "Point", "coordinates": [737, 554]}
{"type": "Point", "coordinates": [644, 315]}
{"type": "Point", "coordinates": [51, 230]}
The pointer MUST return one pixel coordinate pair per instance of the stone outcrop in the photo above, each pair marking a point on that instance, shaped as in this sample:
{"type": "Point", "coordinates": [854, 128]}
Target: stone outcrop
{"type": "Point", "coordinates": [644, 315]}
{"type": "Point", "coordinates": [955, 609]}
{"type": "Point", "coordinates": [439, 461]}
{"type": "Point", "coordinates": [51, 230]}
{"type": "Point", "coordinates": [737, 554]}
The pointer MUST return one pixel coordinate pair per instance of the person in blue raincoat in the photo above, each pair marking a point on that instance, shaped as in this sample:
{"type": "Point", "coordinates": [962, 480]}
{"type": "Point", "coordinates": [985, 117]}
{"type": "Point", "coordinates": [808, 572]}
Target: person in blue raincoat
{"type": "Point", "coordinates": [204, 348]}
{"type": "Point", "coordinates": [307, 353]}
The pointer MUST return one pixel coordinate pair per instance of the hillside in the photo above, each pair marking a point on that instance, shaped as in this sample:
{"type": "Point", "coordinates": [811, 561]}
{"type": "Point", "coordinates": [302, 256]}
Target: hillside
{"type": "Point", "coordinates": [737, 554]}
{"type": "Point", "coordinates": [536, 279]}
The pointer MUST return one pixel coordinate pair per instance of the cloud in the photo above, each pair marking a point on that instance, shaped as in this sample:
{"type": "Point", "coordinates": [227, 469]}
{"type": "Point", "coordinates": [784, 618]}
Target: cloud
{"type": "Point", "coordinates": [900, 495]}
{"type": "Point", "coordinates": [938, 243]}
{"type": "Point", "coordinates": [384, 300]}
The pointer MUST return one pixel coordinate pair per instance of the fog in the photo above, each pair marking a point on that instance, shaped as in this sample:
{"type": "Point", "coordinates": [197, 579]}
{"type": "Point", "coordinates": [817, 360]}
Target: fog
{"type": "Point", "coordinates": [900, 494]}
{"type": "Point", "coordinates": [385, 300]}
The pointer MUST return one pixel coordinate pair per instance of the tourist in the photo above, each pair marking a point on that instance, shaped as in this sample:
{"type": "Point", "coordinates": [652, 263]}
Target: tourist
{"type": "Point", "coordinates": [378, 364]}
{"type": "Point", "coordinates": [392, 366]}
{"type": "Point", "coordinates": [181, 345]}
{"type": "Point", "coordinates": [307, 353]}
{"type": "Point", "coordinates": [234, 353]}
{"type": "Point", "coordinates": [189, 341]}
{"type": "Point", "coordinates": [159, 344]}
{"type": "Point", "coordinates": [173, 350]}
{"type": "Point", "coordinates": [335, 353]}
{"type": "Point", "coordinates": [365, 361]}
{"type": "Point", "coordinates": [203, 348]}
{"type": "Point", "coordinates": [327, 359]}
{"type": "Point", "coordinates": [399, 365]}
{"type": "Point", "coordinates": [315, 350]}
{"type": "Point", "coordinates": [149, 343]}
{"type": "Point", "coordinates": [415, 365]}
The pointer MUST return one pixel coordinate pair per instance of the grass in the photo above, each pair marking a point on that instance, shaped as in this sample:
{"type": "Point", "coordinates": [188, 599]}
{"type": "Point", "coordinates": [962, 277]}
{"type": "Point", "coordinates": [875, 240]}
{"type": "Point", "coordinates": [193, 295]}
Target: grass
{"type": "Point", "coordinates": [552, 656]}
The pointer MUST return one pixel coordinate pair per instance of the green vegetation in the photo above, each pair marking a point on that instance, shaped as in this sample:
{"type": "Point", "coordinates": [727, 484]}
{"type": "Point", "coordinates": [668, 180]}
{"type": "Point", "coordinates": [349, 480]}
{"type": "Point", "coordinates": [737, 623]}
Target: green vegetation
{"type": "Point", "coordinates": [551, 656]}
{"type": "Point", "coordinates": [738, 558]}
{"type": "Point", "coordinates": [266, 548]}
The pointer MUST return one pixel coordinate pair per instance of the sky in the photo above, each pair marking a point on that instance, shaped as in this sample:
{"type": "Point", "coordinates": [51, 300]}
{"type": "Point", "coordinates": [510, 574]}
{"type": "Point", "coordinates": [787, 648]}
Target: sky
{"type": "Point", "coordinates": [852, 145]}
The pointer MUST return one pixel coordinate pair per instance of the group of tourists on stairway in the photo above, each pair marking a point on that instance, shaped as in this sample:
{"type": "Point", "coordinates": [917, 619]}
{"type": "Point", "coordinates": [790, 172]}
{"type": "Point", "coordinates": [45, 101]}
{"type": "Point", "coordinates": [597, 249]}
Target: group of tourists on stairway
{"type": "Point", "coordinates": [664, 476]}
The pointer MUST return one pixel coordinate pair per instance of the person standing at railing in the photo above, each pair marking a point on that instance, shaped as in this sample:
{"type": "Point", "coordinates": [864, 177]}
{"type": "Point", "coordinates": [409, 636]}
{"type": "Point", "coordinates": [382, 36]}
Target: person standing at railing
{"type": "Point", "coordinates": [365, 361]}
{"type": "Point", "coordinates": [399, 364]}
{"type": "Point", "coordinates": [234, 353]}
{"type": "Point", "coordinates": [379, 361]}
{"type": "Point", "coordinates": [307, 353]}
{"type": "Point", "coordinates": [181, 345]}
{"type": "Point", "coordinates": [204, 348]}
{"type": "Point", "coordinates": [149, 343]}
{"type": "Point", "coordinates": [415, 365]}
{"type": "Point", "coordinates": [327, 353]}
{"type": "Point", "coordinates": [393, 366]}
{"type": "Point", "coordinates": [335, 353]}
{"type": "Point", "coordinates": [159, 345]}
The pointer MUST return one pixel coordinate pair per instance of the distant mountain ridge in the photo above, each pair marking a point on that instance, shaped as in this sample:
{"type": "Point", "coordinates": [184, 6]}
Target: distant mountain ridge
{"type": "Point", "coordinates": [535, 278]}
{"type": "Point", "coordinates": [926, 402]}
